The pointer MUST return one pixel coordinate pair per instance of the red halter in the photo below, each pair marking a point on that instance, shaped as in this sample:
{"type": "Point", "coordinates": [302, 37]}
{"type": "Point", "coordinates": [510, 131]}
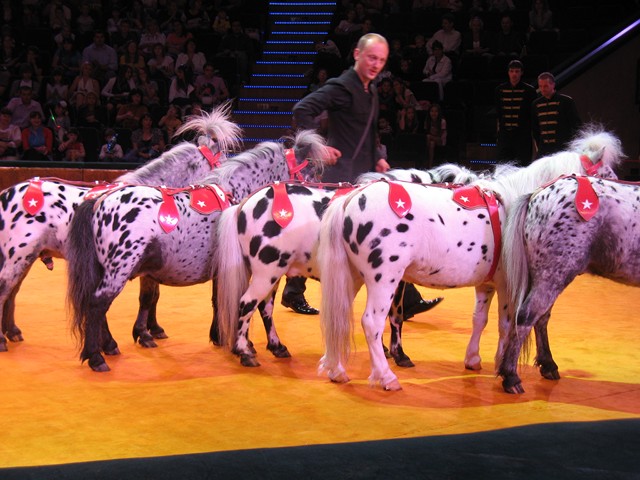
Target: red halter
{"type": "Point", "coordinates": [213, 159]}
{"type": "Point", "coordinates": [294, 169]}
{"type": "Point", "coordinates": [590, 168]}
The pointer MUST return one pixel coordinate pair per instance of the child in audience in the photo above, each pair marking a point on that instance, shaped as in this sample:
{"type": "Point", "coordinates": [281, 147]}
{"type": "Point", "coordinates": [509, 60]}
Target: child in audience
{"type": "Point", "coordinates": [111, 151]}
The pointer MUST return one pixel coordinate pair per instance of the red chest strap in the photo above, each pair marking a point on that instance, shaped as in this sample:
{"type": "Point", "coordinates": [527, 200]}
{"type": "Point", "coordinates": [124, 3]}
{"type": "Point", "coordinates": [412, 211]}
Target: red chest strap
{"type": "Point", "coordinates": [472, 197]}
{"type": "Point", "coordinates": [212, 158]}
{"type": "Point", "coordinates": [33, 199]}
{"type": "Point", "coordinates": [281, 209]}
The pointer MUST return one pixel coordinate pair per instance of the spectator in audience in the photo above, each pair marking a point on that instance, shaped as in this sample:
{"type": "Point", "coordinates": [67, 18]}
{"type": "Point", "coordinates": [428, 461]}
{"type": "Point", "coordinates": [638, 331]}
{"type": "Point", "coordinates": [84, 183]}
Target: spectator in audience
{"type": "Point", "coordinates": [37, 140]}
{"type": "Point", "coordinates": [211, 87]}
{"type": "Point", "coordinates": [150, 37]}
{"type": "Point", "coordinates": [221, 24]}
{"type": "Point", "coordinates": [407, 72]}
{"type": "Point", "coordinates": [508, 41]}
{"type": "Point", "coordinates": [10, 137]}
{"type": "Point", "coordinates": [448, 36]}
{"type": "Point", "coordinates": [23, 106]}
{"type": "Point", "coordinates": [102, 56]}
{"type": "Point", "coordinates": [56, 89]}
{"type": "Point", "coordinates": [181, 89]}
{"type": "Point", "coordinates": [129, 114]}
{"type": "Point", "coordinates": [170, 122]}
{"type": "Point", "coordinates": [417, 52]}
{"type": "Point", "coordinates": [321, 77]}
{"type": "Point", "coordinates": [33, 58]}
{"type": "Point", "coordinates": [85, 82]}
{"type": "Point", "coordinates": [59, 15]}
{"type": "Point", "coordinates": [148, 87]}
{"type": "Point", "coordinates": [403, 96]}
{"type": "Point", "coordinates": [348, 26]}
{"type": "Point", "coordinates": [136, 16]}
{"type": "Point", "coordinates": [540, 17]}
{"type": "Point", "coordinates": [436, 129]}
{"type": "Point", "coordinates": [9, 60]}
{"type": "Point", "coordinates": [195, 17]}
{"type": "Point", "coordinates": [147, 142]}
{"type": "Point", "coordinates": [238, 45]}
{"type": "Point", "coordinates": [111, 151]}
{"type": "Point", "coordinates": [408, 120]}
{"type": "Point", "coordinates": [113, 21]}
{"type": "Point", "coordinates": [177, 38]}
{"type": "Point", "coordinates": [191, 57]}
{"type": "Point", "coordinates": [116, 91]}
{"type": "Point", "coordinates": [85, 23]}
{"type": "Point", "coordinates": [25, 78]}
{"type": "Point", "coordinates": [58, 122]}
{"type": "Point", "coordinates": [477, 41]}
{"type": "Point", "coordinates": [501, 6]}
{"type": "Point", "coordinates": [72, 147]}
{"type": "Point", "coordinates": [123, 36]}
{"type": "Point", "coordinates": [69, 59]}
{"type": "Point", "coordinates": [168, 15]}
{"type": "Point", "coordinates": [91, 113]}
{"type": "Point", "coordinates": [63, 34]}
{"type": "Point", "coordinates": [438, 69]}
{"type": "Point", "coordinates": [132, 57]}
{"type": "Point", "coordinates": [161, 65]}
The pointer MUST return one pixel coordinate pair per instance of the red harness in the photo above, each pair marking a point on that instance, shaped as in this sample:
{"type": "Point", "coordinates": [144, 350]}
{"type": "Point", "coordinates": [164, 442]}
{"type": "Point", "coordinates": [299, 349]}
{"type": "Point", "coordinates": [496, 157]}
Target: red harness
{"type": "Point", "coordinates": [294, 169]}
{"type": "Point", "coordinates": [586, 200]}
{"type": "Point", "coordinates": [204, 199]}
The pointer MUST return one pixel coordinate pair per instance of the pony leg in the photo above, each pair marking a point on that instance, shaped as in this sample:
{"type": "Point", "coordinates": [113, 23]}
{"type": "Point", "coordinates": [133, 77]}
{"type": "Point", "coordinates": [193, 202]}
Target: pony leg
{"type": "Point", "coordinates": [395, 323]}
{"type": "Point", "coordinates": [373, 318]}
{"type": "Point", "coordinates": [544, 359]}
{"type": "Point", "coordinates": [9, 327]}
{"type": "Point", "coordinates": [274, 345]}
{"type": "Point", "coordinates": [484, 295]}
{"type": "Point", "coordinates": [154, 327]}
{"type": "Point", "coordinates": [148, 298]}
{"type": "Point", "coordinates": [96, 336]}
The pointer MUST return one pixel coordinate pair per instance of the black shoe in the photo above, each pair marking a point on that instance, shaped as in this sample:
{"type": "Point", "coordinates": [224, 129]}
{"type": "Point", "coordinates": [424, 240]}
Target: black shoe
{"type": "Point", "coordinates": [299, 305]}
{"type": "Point", "coordinates": [420, 307]}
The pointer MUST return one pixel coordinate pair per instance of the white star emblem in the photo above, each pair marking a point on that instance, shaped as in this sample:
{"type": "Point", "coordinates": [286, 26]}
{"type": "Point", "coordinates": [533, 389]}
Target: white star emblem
{"type": "Point", "coordinates": [283, 213]}
{"type": "Point", "coordinates": [202, 204]}
{"type": "Point", "coordinates": [169, 220]}
{"type": "Point", "coordinates": [400, 203]}
{"type": "Point", "coordinates": [586, 205]}
{"type": "Point", "coordinates": [464, 199]}
{"type": "Point", "coordinates": [33, 202]}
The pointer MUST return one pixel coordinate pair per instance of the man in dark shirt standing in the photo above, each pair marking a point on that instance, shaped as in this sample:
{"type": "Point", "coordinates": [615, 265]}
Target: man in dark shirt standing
{"type": "Point", "coordinates": [513, 107]}
{"type": "Point", "coordinates": [351, 101]}
{"type": "Point", "coordinates": [555, 117]}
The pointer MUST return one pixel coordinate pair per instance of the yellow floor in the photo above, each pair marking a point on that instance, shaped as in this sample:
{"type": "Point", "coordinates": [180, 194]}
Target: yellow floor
{"type": "Point", "coordinates": [187, 396]}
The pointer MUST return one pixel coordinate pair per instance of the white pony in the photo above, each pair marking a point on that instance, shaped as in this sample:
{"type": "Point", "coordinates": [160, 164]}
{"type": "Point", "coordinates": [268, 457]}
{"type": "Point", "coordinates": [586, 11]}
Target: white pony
{"type": "Point", "coordinates": [387, 232]}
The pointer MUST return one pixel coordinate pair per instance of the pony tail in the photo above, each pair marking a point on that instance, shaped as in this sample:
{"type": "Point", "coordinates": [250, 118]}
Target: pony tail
{"type": "Point", "coordinates": [84, 272]}
{"type": "Point", "coordinates": [231, 272]}
{"type": "Point", "coordinates": [337, 286]}
{"type": "Point", "coordinates": [513, 253]}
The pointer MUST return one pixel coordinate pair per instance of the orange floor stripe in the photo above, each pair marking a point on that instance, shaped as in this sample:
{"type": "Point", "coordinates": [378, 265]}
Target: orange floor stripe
{"type": "Point", "coordinates": [187, 396]}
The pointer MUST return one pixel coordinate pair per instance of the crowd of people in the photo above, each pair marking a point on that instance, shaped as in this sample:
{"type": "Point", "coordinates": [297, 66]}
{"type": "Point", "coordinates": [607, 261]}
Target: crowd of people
{"type": "Point", "coordinates": [128, 73]}
{"type": "Point", "coordinates": [438, 41]}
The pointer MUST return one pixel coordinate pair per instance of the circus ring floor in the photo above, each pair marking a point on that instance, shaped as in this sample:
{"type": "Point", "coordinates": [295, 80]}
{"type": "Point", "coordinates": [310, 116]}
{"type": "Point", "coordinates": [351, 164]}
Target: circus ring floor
{"type": "Point", "coordinates": [189, 410]}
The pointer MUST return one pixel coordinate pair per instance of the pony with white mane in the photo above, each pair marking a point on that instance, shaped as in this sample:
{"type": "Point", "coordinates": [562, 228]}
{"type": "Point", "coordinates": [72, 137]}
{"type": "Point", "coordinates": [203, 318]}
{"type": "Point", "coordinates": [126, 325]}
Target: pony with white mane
{"type": "Point", "coordinates": [274, 233]}
{"type": "Point", "coordinates": [35, 215]}
{"type": "Point", "coordinates": [386, 232]}
{"type": "Point", "coordinates": [575, 225]}
{"type": "Point", "coordinates": [165, 234]}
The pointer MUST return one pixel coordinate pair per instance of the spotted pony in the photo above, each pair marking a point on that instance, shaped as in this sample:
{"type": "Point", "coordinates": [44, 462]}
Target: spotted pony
{"type": "Point", "coordinates": [263, 239]}
{"type": "Point", "coordinates": [26, 236]}
{"type": "Point", "coordinates": [129, 233]}
{"type": "Point", "coordinates": [573, 226]}
{"type": "Point", "coordinates": [431, 240]}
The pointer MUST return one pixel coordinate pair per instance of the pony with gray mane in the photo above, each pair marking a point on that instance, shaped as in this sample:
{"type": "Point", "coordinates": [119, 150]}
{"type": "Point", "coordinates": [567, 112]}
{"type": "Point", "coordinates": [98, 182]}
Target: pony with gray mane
{"type": "Point", "coordinates": [260, 241]}
{"type": "Point", "coordinates": [575, 225]}
{"type": "Point", "coordinates": [35, 215]}
{"type": "Point", "coordinates": [386, 232]}
{"type": "Point", "coordinates": [165, 234]}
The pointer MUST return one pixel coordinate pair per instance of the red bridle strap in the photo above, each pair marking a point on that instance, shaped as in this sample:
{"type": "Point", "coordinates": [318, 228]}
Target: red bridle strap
{"type": "Point", "coordinates": [590, 168]}
{"type": "Point", "coordinates": [212, 158]}
{"type": "Point", "coordinates": [294, 169]}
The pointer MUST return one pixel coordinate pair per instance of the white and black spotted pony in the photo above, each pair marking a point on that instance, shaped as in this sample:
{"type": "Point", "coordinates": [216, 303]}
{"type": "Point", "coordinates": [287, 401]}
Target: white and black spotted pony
{"type": "Point", "coordinates": [387, 232]}
{"type": "Point", "coordinates": [35, 215]}
{"type": "Point", "coordinates": [573, 226]}
{"type": "Point", "coordinates": [273, 233]}
{"type": "Point", "coordinates": [166, 235]}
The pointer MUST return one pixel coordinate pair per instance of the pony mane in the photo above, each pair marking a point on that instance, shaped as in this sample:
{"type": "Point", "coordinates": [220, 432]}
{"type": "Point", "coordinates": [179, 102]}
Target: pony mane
{"type": "Point", "coordinates": [262, 152]}
{"type": "Point", "coordinates": [511, 182]}
{"type": "Point", "coordinates": [214, 128]}
{"type": "Point", "coordinates": [309, 145]}
{"type": "Point", "coordinates": [158, 167]}
{"type": "Point", "coordinates": [452, 173]}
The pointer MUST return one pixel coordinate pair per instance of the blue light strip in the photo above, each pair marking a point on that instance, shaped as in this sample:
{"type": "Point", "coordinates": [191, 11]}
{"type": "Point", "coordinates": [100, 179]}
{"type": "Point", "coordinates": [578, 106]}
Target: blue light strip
{"type": "Point", "coordinates": [297, 33]}
{"type": "Point", "coordinates": [302, 4]}
{"type": "Point", "coordinates": [262, 62]}
{"type": "Point", "coordinates": [301, 23]}
{"type": "Point", "coordinates": [280, 75]}
{"type": "Point", "coordinates": [292, 87]}
{"type": "Point", "coordinates": [249, 99]}
{"type": "Point", "coordinates": [289, 42]}
{"type": "Point", "coordinates": [260, 140]}
{"type": "Point", "coordinates": [306, 14]}
{"type": "Point", "coordinates": [261, 112]}
{"type": "Point", "coordinates": [275, 52]}
{"type": "Point", "coordinates": [258, 125]}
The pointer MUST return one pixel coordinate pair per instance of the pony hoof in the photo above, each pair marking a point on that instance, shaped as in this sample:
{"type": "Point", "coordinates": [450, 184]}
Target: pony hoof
{"type": "Point", "coordinates": [512, 386]}
{"type": "Point", "coordinates": [280, 351]}
{"type": "Point", "coordinates": [249, 361]}
{"type": "Point", "coordinates": [3, 346]}
{"type": "Point", "coordinates": [97, 363]}
{"type": "Point", "coordinates": [404, 362]}
{"type": "Point", "coordinates": [340, 378]}
{"type": "Point", "coordinates": [101, 368]}
{"type": "Point", "coordinates": [147, 343]}
{"type": "Point", "coordinates": [113, 351]}
{"type": "Point", "coordinates": [16, 338]}
{"type": "Point", "coordinates": [550, 375]}
{"type": "Point", "coordinates": [159, 335]}
{"type": "Point", "coordinates": [393, 386]}
{"type": "Point", "coordinates": [474, 363]}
